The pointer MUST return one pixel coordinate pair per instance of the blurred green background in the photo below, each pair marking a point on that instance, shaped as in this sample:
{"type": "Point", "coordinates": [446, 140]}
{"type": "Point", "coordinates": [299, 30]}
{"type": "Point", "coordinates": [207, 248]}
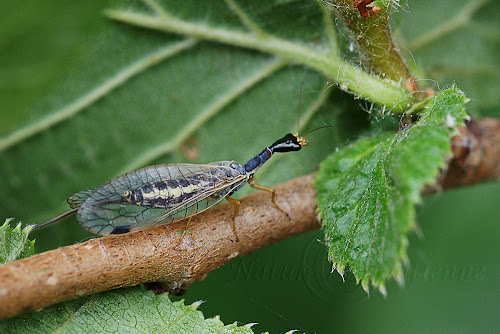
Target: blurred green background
{"type": "Point", "coordinates": [451, 284]}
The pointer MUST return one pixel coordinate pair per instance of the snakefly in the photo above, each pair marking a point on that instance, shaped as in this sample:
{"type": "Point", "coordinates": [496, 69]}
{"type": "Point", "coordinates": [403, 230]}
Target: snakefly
{"type": "Point", "coordinates": [166, 193]}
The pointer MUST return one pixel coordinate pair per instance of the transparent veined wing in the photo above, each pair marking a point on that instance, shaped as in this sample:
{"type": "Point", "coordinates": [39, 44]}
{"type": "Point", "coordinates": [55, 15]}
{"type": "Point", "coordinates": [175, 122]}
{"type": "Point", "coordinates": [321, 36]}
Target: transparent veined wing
{"type": "Point", "coordinates": [204, 200]}
{"type": "Point", "coordinates": [76, 200]}
{"type": "Point", "coordinates": [168, 193]}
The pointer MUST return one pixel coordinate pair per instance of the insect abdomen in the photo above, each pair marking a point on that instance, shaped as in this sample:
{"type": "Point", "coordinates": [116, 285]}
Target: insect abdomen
{"type": "Point", "coordinates": [165, 194]}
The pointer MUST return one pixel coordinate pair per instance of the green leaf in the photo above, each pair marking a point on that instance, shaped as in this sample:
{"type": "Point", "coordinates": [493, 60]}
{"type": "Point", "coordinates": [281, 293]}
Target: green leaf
{"type": "Point", "coordinates": [132, 310]}
{"type": "Point", "coordinates": [14, 243]}
{"type": "Point", "coordinates": [240, 25]}
{"type": "Point", "coordinates": [40, 42]}
{"type": "Point", "coordinates": [457, 42]}
{"type": "Point", "coordinates": [368, 190]}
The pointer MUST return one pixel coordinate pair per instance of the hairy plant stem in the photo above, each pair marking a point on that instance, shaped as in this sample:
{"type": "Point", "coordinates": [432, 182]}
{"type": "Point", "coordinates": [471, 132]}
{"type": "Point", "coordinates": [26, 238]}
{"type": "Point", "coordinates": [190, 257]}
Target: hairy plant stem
{"type": "Point", "coordinates": [372, 35]}
{"type": "Point", "coordinates": [349, 77]}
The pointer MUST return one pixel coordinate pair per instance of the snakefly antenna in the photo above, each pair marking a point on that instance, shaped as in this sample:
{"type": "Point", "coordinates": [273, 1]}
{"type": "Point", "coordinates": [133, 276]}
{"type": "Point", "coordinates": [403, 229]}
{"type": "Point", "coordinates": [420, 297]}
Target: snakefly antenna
{"type": "Point", "coordinates": [303, 140]}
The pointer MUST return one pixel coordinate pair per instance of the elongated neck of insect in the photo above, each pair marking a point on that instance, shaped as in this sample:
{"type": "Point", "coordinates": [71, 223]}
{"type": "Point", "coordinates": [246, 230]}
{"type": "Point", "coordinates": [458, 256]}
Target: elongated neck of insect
{"type": "Point", "coordinates": [253, 164]}
{"type": "Point", "coordinates": [286, 144]}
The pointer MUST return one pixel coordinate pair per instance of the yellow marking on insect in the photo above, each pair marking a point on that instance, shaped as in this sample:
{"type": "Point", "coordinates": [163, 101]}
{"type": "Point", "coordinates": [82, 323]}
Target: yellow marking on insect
{"type": "Point", "coordinates": [179, 191]}
{"type": "Point", "coordinates": [156, 193]}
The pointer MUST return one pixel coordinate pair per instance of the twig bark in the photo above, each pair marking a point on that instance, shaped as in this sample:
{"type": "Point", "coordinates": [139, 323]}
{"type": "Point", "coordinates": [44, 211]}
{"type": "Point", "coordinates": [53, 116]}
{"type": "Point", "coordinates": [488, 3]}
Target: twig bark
{"type": "Point", "coordinates": [155, 254]}
{"type": "Point", "coordinates": [476, 156]}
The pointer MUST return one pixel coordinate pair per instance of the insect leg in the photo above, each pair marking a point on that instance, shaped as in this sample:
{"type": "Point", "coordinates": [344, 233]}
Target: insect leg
{"type": "Point", "coordinates": [183, 232]}
{"type": "Point", "coordinates": [233, 225]}
{"type": "Point", "coordinates": [187, 226]}
{"type": "Point", "coordinates": [253, 183]}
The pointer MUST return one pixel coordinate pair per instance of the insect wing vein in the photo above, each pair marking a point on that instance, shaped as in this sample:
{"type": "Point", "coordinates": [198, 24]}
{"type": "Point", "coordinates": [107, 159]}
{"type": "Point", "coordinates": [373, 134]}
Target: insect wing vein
{"type": "Point", "coordinates": [106, 209]}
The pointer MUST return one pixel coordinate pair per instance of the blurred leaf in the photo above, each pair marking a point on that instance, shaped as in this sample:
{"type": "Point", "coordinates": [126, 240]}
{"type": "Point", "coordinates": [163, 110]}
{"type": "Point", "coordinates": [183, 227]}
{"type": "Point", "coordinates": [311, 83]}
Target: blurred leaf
{"type": "Point", "coordinates": [40, 41]}
{"type": "Point", "coordinates": [457, 42]}
{"type": "Point", "coordinates": [14, 243]}
{"type": "Point", "coordinates": [132, 310]}
{"type": "Point", "coordinates": [368, 190]}
{"type": "Point", "coordinates": [320, 54]}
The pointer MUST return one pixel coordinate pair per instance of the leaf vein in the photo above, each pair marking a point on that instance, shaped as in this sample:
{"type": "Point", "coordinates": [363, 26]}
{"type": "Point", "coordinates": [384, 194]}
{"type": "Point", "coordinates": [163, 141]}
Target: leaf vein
{"type": "Point", "coordinates": [94, 95]}
{"type": "Point", "coordinates": [446, 27]}
{"type": "Point", "coordinates": [207, 113]}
